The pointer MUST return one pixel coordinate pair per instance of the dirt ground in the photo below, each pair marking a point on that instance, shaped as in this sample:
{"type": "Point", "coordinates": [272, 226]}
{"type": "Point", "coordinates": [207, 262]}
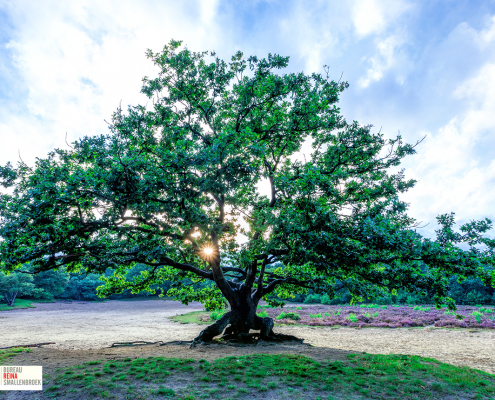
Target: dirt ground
{"type": "Point", "coordinates": [83, 331]}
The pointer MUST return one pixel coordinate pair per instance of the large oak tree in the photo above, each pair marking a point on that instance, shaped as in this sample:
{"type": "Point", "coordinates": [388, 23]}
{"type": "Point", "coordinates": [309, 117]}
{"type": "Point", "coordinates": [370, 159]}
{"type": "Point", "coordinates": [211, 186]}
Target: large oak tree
{"type": "Point", "coordinates": [174, 185]}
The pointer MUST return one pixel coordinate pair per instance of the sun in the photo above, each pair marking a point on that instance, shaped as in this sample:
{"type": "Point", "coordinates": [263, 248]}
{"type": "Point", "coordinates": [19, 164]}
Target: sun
{"type": "Point", "coordinates": [208, 251]}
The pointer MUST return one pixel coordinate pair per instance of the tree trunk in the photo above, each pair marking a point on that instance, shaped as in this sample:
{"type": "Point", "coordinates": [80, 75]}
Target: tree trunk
{"type": "Point", "coordinates": [10, 298]}
{"type": "Point", "coordinates": [238, 322]}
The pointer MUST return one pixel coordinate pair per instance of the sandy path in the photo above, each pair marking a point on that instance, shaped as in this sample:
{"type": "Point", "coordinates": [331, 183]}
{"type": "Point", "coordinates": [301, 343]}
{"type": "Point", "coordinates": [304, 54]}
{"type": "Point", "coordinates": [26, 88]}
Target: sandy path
{"type": "Point", "coordinates": [87, 325]}
{"type": "Point", "coordinates": [84, 326]}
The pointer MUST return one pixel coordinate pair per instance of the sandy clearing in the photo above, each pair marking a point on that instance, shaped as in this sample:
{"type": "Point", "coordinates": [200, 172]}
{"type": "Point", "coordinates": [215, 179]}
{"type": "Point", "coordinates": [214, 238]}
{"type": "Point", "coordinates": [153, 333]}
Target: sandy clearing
{"type": "Point", "coordinates": [95, 326]}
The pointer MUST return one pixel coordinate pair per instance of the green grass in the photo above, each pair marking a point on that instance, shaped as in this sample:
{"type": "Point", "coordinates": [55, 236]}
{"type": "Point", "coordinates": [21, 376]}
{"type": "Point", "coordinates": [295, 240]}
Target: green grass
{"type": "Point", "coordinates": [18, 303]}
{"type": "Point", "coordinates": [204, 317]}
{"type": "Point", "coordinates": [8, 353]}
{"type": "Point", "coordinates": [194, 317]}
{"type": "Point", "coordinates": [370, 306]}
{"type": "Point", "coordinates": [217, 314]}
{"type": "Point", "coordinates": [361, 376]}
{"type": "Point", "coordinates": [419, 308]}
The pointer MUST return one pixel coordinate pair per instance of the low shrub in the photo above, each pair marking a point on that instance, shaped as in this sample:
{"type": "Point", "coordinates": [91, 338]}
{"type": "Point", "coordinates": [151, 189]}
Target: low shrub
{"type": "Point", "coordinates": [217, 314]}
{"type": "Point", "coordinates": [352, 318]}
{"type": "Point", "coordinates": [312, 299]}
{"type": "Point", "coordinates": [325, 299]}
{"type": "Point", "coordinates": [384, 301]}
{"type": "Point", "coordinates": [289, 315]}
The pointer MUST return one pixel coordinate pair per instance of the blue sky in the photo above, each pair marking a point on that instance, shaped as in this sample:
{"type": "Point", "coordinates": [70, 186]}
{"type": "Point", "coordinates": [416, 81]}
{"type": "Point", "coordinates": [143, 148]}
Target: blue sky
{"type": "Point", "coordinates": [424, 68]}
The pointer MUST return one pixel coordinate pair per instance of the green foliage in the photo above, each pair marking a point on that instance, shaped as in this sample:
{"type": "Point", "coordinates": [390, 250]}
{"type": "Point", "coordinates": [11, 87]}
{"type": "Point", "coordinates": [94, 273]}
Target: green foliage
{"type": "Point", "coordinates": [172, 182]}
{"type": "Point", "coordinates": [15, 284]}
{"type": "Point", "coordinates": [477, 315]}
{"type": "Point", "coordinates": [352, 318]}
{"type": "Point", "coordinates": [313, 299]}
{"type": "Point", "coordinates": [82, 287]}
{"type": "Point", "coordinates": [384, 301]}
{"type": "Point", "coordinates": [52, 283]}
{"type": "Point", "coordinates": [289, 315]}
{"type": "Point", "coordinates": [217, 314]}
{"type": "Point", "coordinates": [369, 305]}
{"type": "Point", "coordinates": [470, 291]}
{"type": "Point", "coordinates": [325, 299]}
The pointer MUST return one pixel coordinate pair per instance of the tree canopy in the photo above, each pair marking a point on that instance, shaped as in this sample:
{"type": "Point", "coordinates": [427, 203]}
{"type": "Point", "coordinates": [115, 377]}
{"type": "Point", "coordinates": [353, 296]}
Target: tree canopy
{"type": "Point", "coordinates": [175, 184]}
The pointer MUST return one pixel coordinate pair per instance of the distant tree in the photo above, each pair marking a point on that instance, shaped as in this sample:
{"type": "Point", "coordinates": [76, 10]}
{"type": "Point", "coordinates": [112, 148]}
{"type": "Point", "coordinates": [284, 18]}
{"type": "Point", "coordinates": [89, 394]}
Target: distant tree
{"type": "Point", "coordinates": [82, 287]}
{"type": "Point", "coordinates": [15, 285]}
{"type": "Point", "coordinates": [470, 291]}
{"type": "Point", "coordinates": [52, 283]}
{"type": "Point", "coordinates": [169, 188]}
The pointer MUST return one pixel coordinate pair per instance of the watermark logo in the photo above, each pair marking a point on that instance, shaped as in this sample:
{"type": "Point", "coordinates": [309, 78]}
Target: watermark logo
{"type": "Point", "coordinates": [21, 378]}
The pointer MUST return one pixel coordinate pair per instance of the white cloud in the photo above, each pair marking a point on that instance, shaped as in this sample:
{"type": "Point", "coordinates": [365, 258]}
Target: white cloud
{"type": "Point", "coordinates": [78, 60]}
{"type": "Point", "coordinates": [316, 32]}
{"type": "Point", "coordinates": [383, 61]}
{"type": "Point", "coordinates": [374, 16]}
{"type": "Point", "coordinates": [487, 36]}
{"type": "Point", "coordinates": [454, 174]}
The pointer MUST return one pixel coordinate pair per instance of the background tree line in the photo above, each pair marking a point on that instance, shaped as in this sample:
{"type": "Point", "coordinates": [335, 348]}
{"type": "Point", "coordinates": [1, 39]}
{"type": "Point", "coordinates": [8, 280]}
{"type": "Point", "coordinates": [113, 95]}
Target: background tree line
{"type": "Point", "coordinates": [59, 284]}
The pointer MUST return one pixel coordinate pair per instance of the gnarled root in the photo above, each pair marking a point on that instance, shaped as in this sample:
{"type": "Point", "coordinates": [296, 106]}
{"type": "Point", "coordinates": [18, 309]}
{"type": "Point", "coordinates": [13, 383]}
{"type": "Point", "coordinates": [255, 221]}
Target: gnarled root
{"type": "Point", "coordinates": [233, 334]}
{"type": "Point", "coordinates": [211, 331]}
{"type": "Point", "coordinates": [267, 334]}
{"type": "Point", "coordinates": [265, 326]}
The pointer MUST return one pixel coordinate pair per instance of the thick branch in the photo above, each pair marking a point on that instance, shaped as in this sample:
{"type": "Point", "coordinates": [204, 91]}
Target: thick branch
{"type": "Point", "coordinates": [218, 275]}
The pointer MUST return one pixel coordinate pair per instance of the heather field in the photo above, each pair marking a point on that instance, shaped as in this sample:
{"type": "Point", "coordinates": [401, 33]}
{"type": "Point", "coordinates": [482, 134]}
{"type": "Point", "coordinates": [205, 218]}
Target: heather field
{"type": "Point", "coordinates": [391, 316]}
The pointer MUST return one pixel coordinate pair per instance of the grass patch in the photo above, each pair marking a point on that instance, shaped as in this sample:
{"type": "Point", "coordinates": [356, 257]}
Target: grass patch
{"type": "Point", "coordinates": [194, 317]}
{"type": "Point", "coordinates": [18, 303]}
{"type": "Point", "coordinates": [8, 353]}
{"type": "Point", "coordinates": [419, 308]}
{"type": "Point", "coordinates": [204, 317]}
{"type": "Point", "coordinates": [369, 305]}
{"type": "Point", "coordinates": [361, 376]}
{"type": "Point", "coordinates": [217, 314]}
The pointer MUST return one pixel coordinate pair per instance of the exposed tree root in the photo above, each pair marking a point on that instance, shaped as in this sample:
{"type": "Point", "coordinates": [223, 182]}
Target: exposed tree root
{"type": "Point", "coordinates": [233, 336]}
{"type": "Point", "coordinates": [27, 345]}
{"type": "Point", "coordinates": [136, 343]}
{"type": "Point", "coordinates": [143, 343]}
{"type": "Point", "coordinates": [258, 337]}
